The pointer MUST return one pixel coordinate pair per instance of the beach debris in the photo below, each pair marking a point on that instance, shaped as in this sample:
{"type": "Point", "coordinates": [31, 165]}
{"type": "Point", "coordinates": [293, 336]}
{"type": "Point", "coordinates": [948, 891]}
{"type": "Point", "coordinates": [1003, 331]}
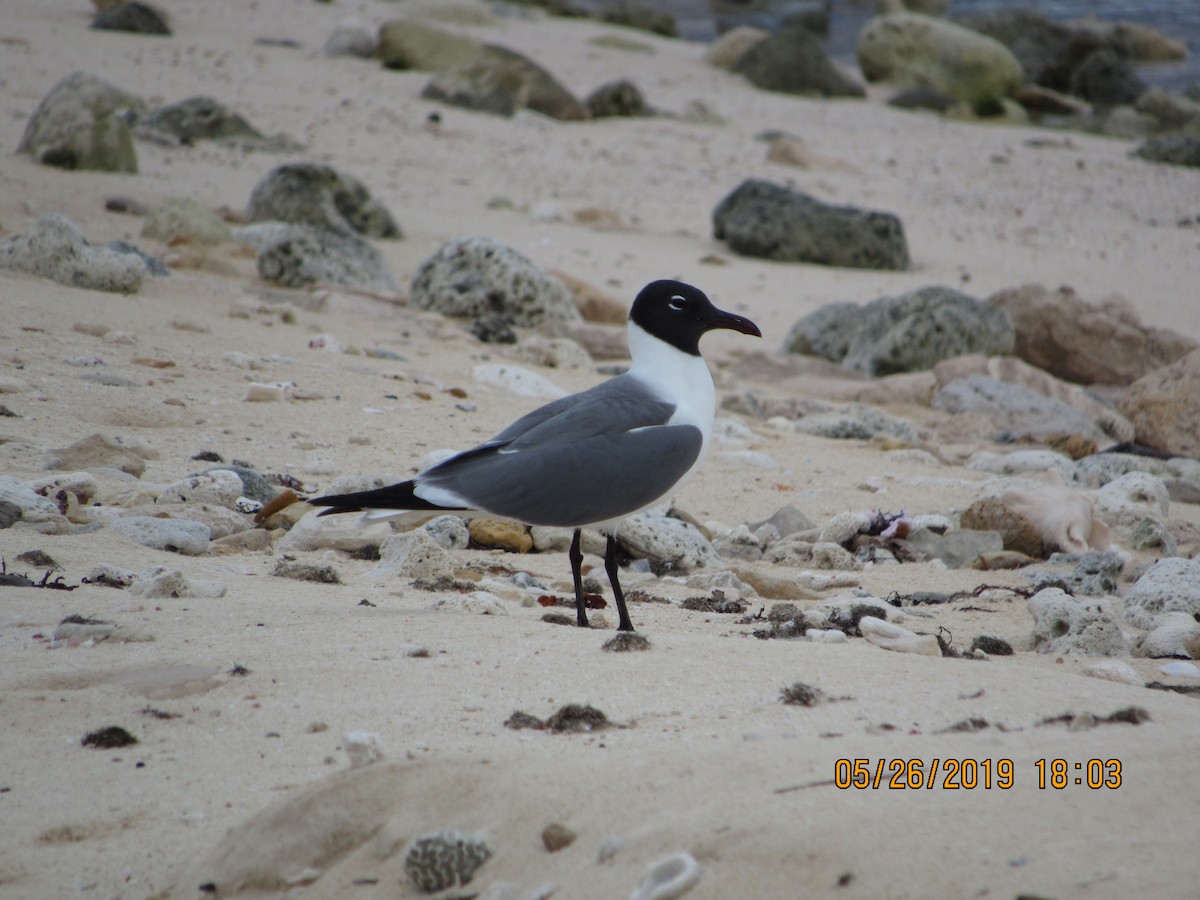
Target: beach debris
{"type": "Point", "coordinates": [800, 694]}
{"type": "Point", "coordinates": [108, 738]}
{"type": "Point", "coordinates": [445, 859]}
{"type": "Point", "coordinates": [1130, 715]}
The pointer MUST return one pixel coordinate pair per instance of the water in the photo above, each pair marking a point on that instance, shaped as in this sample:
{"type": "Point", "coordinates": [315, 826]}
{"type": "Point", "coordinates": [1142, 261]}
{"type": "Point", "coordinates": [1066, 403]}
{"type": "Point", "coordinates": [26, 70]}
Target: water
{"type": "Point", "coordinates": [1178, 19]}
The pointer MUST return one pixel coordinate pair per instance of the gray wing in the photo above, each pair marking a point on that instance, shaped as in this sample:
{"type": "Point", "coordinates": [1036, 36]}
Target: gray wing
{"type": "Point", "coordinates": [587, 458]}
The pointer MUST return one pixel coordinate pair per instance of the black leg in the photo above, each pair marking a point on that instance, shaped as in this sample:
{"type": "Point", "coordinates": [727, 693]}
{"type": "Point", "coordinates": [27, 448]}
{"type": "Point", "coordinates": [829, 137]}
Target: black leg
{"type": "Point", "coordinates": [576, 557]}
{"type": "Point", "coordinates": [610, 566]}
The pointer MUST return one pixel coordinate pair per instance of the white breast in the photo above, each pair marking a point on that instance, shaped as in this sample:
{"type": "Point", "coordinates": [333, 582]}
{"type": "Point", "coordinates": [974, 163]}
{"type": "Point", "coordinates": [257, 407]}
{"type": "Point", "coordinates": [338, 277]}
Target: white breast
{"type": "Point", "coordinates": [678, 378]}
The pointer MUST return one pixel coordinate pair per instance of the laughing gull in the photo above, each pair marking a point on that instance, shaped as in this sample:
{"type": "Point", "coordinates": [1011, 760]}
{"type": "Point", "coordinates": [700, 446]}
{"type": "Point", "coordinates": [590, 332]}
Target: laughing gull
{"type": "Point", "coordinates": [594, 457]}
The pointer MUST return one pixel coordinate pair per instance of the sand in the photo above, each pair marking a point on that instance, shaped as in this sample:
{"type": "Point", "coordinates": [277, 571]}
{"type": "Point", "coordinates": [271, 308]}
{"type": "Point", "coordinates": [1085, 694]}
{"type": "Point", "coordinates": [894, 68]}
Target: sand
{"type": "Point", "coordinates": [706, 759]}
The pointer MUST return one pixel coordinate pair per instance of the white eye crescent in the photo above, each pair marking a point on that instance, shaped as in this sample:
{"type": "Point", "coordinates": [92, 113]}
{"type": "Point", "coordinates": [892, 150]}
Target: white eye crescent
{"type": "Point", "coordinates": [677, 302]}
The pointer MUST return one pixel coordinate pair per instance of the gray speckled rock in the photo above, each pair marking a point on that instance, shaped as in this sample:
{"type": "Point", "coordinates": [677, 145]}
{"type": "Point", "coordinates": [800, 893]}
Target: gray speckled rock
{"type": "Point", "coordinates": [794, 61]}
{"type": "Point", "coordinates": [55, 248]}
{"type": "Point", "coordinates": [443, 860]}
{"type": "Point", "coordinates": [134, 17]}
{"type": "Point", "coordinates": [187, 218]}
{"type": "Point", "coordinates": [670, 544]}
{"type": "Point", "coordinates": [412, 554]}
{"type": "Point", "coordinates": [301, 255]}
{"type": "Point", "coordinates": [319, 195]}
{"type": "Point", "coordinates": [79, 125]}
{"type": "Point", "coordinates": [617, 98]}
{"type": "Point", "coordinates": [913, 332]}
{"type": "Point", "coordinates": [855, 422]}
{"type": "Point", "coordinates": [503, 82]}
{"type": "Point", "coordinates": [904, 333]}
{"type": "Point", "coordinates": [449, 532]}
{"type": "Point", "coordinates": [1175, 149]}
{"type": "Point", "coordinates": [1066, 624]}
{"type": "Point", "coordinates": [913, 50]}
{"type": "Point", "coordinates": [184, 536]}
{"type": "Point", "coordinates": [205, 119]}
{"type": "Point", "coordinates": [1095, 573]}
{"type": "Point", "coordinates": [1101, 468]}
{"type": "Point", "coordinates": [471, 276]}
{"type": "Point", "coordinates": [786, 520]}
{"type": "Point", "coordinates": [827, 331]}
{"type": "Point", "coordinates": [765, 220]}
{"type": "Point", "coordinates": [351, 38]}
{"type": "Point", "coordinates": [1170, 585]}
{"type": "Point", "coordinates": [1014, 408]}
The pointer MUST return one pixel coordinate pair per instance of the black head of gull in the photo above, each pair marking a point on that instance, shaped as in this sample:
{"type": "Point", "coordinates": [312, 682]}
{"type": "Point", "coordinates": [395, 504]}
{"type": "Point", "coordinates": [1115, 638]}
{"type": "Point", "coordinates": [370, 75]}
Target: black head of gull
{"type": "Point", "coordinates": [680, 315]}
{"type": "Point", "coordinates": [592, 458]}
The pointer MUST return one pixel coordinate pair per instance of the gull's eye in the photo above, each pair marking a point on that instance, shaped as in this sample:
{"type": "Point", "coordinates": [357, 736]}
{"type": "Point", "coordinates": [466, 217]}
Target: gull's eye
{"type": "Point", "coordinates": [677, 303]}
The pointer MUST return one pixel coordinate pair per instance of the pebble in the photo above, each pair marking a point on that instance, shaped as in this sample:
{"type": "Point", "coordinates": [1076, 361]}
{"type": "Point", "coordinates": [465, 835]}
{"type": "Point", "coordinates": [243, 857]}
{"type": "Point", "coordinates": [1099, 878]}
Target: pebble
{"type": "Point", "coordinates": [670, 877]}
{"type": "Point", "coordinates": [826, 636]}
{"type": "Point", "coordinates": [610, 848]}
{"type": "Point", "coordinates": [1181, 670]}
{"type": "Point", "coordinates": [556, 836]}
{"type": "Point", "coordinates": [893, 637]}
{"type": "Point", "coordinates": [261, 392]}
{"type": "Point", "coordinates": [1113, 670]}
{"type": "Point", "coordinates": [500, 534]}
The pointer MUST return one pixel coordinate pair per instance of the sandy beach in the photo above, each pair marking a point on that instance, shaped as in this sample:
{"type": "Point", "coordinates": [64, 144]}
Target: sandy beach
{"type": "Point", "coordinates": [702, 756]}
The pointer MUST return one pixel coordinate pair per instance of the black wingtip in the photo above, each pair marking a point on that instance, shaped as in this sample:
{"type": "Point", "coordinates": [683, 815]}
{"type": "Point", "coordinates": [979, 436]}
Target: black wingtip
{"type": "Point", "coordinates": [395, 496]}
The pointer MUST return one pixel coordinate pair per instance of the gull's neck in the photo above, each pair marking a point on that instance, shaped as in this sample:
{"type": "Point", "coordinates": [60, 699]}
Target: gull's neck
{"type": "Point", "coordinates": [679, 378]}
